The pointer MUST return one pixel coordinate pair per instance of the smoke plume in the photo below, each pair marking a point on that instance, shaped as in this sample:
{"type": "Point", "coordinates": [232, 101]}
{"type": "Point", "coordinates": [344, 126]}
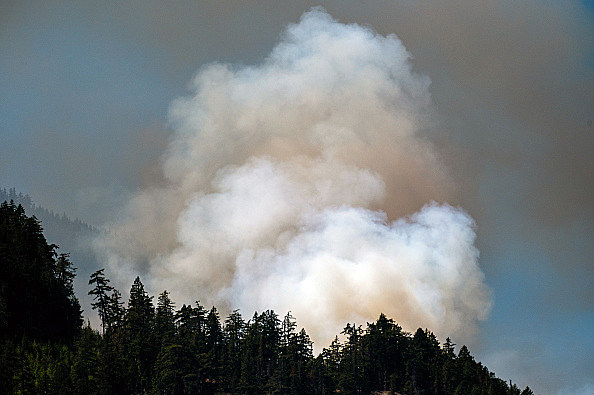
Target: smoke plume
{"type": "Point", "coordinates": [305, 183]}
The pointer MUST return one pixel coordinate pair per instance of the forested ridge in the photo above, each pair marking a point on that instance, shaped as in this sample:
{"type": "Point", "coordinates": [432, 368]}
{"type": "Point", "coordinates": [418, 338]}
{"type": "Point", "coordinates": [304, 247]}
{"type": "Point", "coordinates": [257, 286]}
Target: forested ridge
{"type": "Point", "coordinates": [60, 226]}
{"type": "Point", "coordinates": [148, 346]}
{"type": "Point", "coordinates": [73, 236]}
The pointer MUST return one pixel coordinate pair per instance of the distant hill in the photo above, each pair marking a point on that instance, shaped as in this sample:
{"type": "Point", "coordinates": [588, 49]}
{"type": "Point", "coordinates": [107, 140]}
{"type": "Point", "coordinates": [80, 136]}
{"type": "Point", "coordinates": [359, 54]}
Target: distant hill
{"type": "Point", "coordinates": [56, 227]}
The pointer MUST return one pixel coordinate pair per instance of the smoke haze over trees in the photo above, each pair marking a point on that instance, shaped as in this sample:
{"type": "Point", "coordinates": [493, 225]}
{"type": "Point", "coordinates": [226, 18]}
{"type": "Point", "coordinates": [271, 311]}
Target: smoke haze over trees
{"type": "Point", "coordinates": [500, 101]}
{"type": "Point", "coordinates": [306, 181]}
{"type": "Point", "coordinates": [145, 348]}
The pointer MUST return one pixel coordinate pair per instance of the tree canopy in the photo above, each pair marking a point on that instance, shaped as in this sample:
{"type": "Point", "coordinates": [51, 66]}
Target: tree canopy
{"type": "Point", "coordinates": [144, 348]}
{"type": "Point", "coordinates": [36, 293]}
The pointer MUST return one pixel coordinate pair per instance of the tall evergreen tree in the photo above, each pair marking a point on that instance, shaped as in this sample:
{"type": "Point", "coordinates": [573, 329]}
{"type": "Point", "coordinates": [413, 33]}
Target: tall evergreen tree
{"type": "Point", "coordinates": [300, 352]}
{"type": "Point", "coordinates": [100, 292]}
{"type": "Point", "coordinates": [36, 294]}
{"type": "Point", "coordinates": [234, 334]}
{"type": "Point", "coordinates": [331, 365]}
{"type": "Point", "coordinates": [214, 350]}
{"type": "Point", "coordinates": [190, 323]}
{"type": "Point", "coordinates": [139, 327]}
{"type": "Point", "coordinates": [286, 340]}
{"type": "Point", "coordinates": [85, 365]}
{"type": "Point", "coordinates": [65, 272]}
{"type": "Point", "coordinates": [351, 378]}
{"type": "Point", "coordinates": [115, 310]}
{"type": "Point", "coordinates": [164, 319]}
{"type": "Point", "coordinates": [383, 347]}
{"type": "Point", "coordinates": [260, 353]}
{"type": "Point", "coordinates": [422, 362]}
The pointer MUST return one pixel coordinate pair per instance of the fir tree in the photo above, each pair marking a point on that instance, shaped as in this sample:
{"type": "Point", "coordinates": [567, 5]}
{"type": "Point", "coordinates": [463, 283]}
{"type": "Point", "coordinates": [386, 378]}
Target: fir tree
{"type": "Point", "coordinates": [100, 292]}
{"type": "Point", "coordinates": [139, 327]}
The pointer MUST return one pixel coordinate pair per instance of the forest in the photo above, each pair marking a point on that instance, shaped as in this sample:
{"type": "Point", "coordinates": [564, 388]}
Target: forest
{"type": "Point", "coordinates": [146, 346]}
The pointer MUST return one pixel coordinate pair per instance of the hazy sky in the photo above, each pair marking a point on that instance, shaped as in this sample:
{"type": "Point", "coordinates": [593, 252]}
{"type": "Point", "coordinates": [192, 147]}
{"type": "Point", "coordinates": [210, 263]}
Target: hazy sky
{"type": "Point", "coordinates": [86, 92]}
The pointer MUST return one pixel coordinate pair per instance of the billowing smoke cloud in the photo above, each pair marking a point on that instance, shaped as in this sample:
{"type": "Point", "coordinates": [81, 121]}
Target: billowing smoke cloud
{"type": "Point", "coordinates": [305, 184]}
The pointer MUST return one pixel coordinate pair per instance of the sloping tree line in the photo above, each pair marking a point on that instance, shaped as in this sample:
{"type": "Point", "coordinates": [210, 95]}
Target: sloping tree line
{"type": "Point", "coordinates": [62, 225]}
{"type": "Point", "coordinates": [148, 348]}
{"type": "Point", "coordinates": [35, 282]}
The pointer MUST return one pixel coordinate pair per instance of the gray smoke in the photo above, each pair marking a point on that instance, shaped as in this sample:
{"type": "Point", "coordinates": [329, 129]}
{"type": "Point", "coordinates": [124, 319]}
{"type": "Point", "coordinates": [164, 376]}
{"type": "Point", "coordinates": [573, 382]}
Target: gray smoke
{"type": "Point", "coordinates": [305, 183]}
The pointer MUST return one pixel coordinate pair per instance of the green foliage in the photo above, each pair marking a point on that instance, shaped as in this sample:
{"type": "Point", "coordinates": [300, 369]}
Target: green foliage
{"type": "Point", "coordinates": [263, 355]}
{"type": "Point", "coordinates": [36, 294]}
{"type": "Point", "coordinates": [100, 292]}
{"type": "Point", "coordinates": [139, 330]}
{"type": "Point", "coordinates": [85, 365]}
{"type": "Point", "coordinates": [260, 353]}
{"type": "Point", "coordinates": [234, 332]}
{"type": "Point", "coordinates": [143, 349]}
{"type": "Point", "coordinates": [164, 320]}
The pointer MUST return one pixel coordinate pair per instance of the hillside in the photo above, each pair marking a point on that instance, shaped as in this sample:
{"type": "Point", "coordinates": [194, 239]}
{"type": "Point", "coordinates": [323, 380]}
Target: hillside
{"type": "Point", "coordinates": [143, 348]}
{"type": "Point", "coordinates": [70, 235]}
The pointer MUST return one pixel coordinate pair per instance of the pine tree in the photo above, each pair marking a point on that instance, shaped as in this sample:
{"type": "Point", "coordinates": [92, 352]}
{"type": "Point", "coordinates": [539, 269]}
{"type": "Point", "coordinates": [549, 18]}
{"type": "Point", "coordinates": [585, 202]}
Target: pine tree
{"type": "Point", "coordinates": [234, 334]}
{"type": "Point", "coordinates": [214, 349]}
{"type": "Point", "coordinates": [174, 371]}
{"type": "Point", "coordinates": [448, 371]}
{"type": "Point", "coordinates": [190, 324]}
{"type": "Point", "coordinates": [65, 272]}
{"type": "Point", "coordinates": [85, 363]}
{"type": "Point", "coordinates": [423, 361]}
{"type": "Point", "coordinates": [100, 295]}
{"type": "Point", "coordinates": [286, 340]}
{"type": "Point", "coordinates": [527, 391]}
{"type": "Point", "coordinates": [115, 310]}
{"type": "Point", "coordinates": [260, 353]}
{"type": "Point", "coordinates": [383, 346]}
{"type": "Point", "coordinates": [300, 354]}
{"type": "Point", "coordinates": [332, 357]}
{"type": "Point", "coordinates": [139, 327]}
{"type": "Point", "coordinates": [351, 378]}
{"type": "Point", "coordinates": [164, 319]}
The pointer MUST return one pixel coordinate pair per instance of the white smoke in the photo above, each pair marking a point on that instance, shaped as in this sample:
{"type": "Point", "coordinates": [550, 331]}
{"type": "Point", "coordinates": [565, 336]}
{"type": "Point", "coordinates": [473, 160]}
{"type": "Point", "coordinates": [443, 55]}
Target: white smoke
{"type": "Point", "coordinates": [284, 185]}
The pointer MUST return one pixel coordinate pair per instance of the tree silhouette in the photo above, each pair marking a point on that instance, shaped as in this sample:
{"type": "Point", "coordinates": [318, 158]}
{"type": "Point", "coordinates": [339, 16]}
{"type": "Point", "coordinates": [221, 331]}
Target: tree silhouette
{"type": "Point", "coordinates": [100, 292]}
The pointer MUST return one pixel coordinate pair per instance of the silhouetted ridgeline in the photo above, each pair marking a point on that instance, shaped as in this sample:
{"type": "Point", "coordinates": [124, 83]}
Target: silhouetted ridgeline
{"type": "Point", "coordinates": [56, 227]}
{"type": "Point", "coordinates": [73, 236]}
{"type": "Point", "coordinates": [143, 348]}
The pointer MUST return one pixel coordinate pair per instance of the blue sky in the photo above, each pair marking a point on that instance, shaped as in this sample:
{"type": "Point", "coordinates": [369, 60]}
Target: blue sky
{"type": "Point", "coordinates": [86, 90]}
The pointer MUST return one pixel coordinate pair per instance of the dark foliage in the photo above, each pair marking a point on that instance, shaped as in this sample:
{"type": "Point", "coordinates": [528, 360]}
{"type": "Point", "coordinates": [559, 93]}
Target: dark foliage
{"type": "Point", "coordinates": [143, 349]}
{"type": "Point", "coordinates": [72, 235]}
{"type": "Point", "coordinates": [36, 294]}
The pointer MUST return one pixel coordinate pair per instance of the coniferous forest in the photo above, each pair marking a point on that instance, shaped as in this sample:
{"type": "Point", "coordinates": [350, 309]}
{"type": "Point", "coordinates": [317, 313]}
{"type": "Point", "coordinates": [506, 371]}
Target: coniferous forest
{"type": "Point", "coordinates": [150, 346]}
